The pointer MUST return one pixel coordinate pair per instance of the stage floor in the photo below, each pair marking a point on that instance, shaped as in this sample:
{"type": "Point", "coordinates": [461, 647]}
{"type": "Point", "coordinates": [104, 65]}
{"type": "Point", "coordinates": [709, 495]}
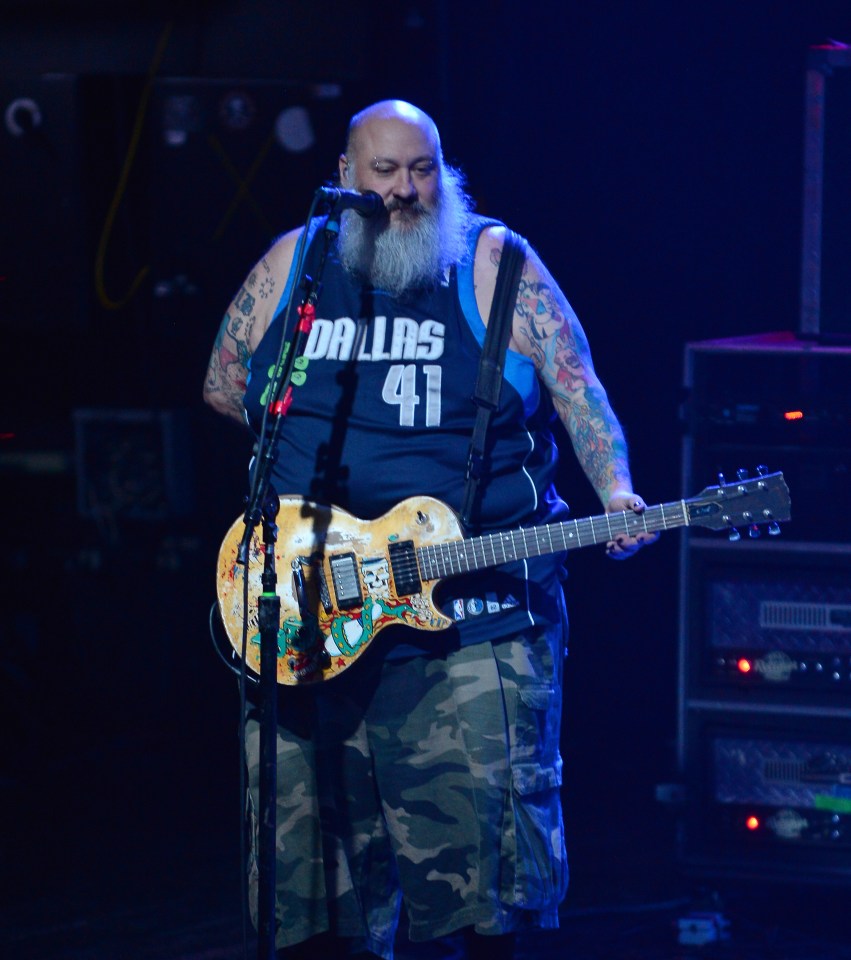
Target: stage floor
{"type": "Point", "coordinates": [144, 866]}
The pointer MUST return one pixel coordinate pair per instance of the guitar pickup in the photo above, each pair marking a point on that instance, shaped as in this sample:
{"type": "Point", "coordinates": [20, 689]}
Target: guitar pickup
{"type": "Point", "coordinates": [403, 563]}
{"type": "Point", "coordinates": [344, 576]}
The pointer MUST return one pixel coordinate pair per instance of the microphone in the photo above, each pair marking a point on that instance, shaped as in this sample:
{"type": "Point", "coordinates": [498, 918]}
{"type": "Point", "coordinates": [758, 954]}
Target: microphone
{"type": "Point", "coordinates": [367, 204]}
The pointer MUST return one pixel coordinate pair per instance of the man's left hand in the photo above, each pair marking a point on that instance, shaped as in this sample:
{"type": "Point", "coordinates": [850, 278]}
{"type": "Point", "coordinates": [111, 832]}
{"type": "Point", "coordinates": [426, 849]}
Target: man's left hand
{"type": "Point", "coordinates": [625, 546]}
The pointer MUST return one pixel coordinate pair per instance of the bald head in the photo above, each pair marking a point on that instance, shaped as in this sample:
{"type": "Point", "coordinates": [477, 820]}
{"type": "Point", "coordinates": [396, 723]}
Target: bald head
{"type": "Point", "coordinates": [389, 113]}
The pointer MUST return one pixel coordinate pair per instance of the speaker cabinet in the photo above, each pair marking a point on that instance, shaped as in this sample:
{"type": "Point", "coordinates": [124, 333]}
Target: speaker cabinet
{"type": "Point", "coordinates": [779, 400]}
{"type": "Point", "coordinates": [764, 699]}
{"type": "Point", "coordinates": [769, 624]}
{"type": "Point", "coordinates": [771, 795]}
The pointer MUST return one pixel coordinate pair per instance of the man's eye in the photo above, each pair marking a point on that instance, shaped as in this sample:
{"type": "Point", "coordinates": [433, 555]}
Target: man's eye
{"type": "Point", "coordinates": [425, 170]}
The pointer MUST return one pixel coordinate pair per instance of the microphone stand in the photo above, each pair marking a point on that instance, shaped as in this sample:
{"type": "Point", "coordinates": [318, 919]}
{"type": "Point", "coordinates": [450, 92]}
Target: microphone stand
{"type": "Point", "coordinates": [263, 503]}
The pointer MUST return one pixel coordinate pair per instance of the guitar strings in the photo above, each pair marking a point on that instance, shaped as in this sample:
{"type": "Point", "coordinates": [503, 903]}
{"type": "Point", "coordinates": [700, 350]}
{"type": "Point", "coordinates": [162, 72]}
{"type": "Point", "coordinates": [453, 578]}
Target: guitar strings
{"type": "Point", "coordinates": [461, 556]}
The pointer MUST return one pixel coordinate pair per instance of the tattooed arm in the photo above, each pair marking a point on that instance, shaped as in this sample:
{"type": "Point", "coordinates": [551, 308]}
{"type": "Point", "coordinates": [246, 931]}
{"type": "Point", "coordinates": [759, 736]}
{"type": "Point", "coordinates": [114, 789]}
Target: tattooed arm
{"type": "Point", "coordinates": [546, 330]}
{"type": "Point", "coordinates": [242, 329]}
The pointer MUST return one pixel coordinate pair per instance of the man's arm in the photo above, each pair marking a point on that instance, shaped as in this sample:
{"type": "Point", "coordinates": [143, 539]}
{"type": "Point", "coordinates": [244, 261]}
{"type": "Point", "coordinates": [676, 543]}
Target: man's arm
{"type": "Point", "coordinates": [546, 330]}
{"type": "Point", "coordinates": [246, 320]}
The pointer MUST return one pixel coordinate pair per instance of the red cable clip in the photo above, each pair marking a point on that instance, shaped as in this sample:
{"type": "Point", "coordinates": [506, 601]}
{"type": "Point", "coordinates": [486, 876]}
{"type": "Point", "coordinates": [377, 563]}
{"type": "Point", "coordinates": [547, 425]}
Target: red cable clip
{"type": "Point", "coordinates": [307, 314]}
{"type": "Point", "coordinates": [280, 407]}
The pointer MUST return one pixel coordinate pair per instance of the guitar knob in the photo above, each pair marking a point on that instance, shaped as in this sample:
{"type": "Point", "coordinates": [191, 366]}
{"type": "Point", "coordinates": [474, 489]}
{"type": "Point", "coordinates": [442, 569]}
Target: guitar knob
{"type": "Point", "coordinates": [742, 474]}
{"type": "Point", "coordinates": [774, 529]}
{"type": "Point", "coordinates": [754, 532]}
{"type": "Point", "coordinates": [762, 469]}
{"type": "Point", "coordinates": [733, 535]}
{"type": "Point", "coordinates": [721, 481]}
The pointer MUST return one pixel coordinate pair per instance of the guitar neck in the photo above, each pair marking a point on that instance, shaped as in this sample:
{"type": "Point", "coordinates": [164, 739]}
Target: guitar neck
{"type": "Point", "coordinates": [494, 549]}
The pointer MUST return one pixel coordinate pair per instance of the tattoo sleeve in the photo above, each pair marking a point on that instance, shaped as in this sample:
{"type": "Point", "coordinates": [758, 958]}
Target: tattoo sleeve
{"type": "Point", "coordinates": [547, 330]}
{"type": "Point", "coordinates": [227, 372]}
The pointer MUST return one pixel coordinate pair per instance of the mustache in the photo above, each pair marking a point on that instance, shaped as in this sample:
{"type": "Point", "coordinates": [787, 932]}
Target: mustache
{"type": "Point", "coordinates": [414, 206]}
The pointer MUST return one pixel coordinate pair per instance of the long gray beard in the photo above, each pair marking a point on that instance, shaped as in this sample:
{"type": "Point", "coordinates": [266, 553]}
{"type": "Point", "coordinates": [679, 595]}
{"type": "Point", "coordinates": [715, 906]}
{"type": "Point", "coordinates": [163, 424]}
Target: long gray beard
{"type": "Point", "coordinates": [401, 258]}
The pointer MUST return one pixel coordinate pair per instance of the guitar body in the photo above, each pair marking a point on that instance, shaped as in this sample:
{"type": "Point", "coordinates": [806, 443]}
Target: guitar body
{"type": "Point", "coordinates": [341, 580]}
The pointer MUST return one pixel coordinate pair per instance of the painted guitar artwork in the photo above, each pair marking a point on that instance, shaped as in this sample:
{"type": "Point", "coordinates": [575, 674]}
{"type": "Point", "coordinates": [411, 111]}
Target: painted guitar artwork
{"type": "Point", "coordinates": [342, 580]}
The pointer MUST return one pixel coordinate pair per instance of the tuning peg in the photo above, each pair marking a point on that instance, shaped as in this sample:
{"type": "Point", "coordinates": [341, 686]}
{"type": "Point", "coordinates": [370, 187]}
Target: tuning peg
{"type": "Point", "coordinates": [754, 532]}
{"type": "Point", "coordinates": [742, 474]}
{"type": "Point", "coordinates": [733, 535]}
{"type": "Point", "coordinates": [762, 470]}
{"type": "Point", "coordinates": [774, 529]}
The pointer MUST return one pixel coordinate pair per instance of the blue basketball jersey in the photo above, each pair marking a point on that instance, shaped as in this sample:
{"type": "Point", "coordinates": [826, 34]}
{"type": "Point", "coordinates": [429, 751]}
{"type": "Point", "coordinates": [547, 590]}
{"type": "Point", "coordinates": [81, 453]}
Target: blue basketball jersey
{"type": "Point", "coordinates": [383, 411]}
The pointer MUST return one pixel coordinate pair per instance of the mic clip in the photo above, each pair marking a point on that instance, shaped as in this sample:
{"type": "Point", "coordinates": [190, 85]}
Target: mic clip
{"type": "Point", "coordinates": [367, 204]}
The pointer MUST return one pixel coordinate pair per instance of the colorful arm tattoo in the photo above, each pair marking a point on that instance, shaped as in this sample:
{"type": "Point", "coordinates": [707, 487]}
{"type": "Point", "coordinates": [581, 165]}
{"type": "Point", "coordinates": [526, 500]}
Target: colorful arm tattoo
{"type": "Point", "coordinates": [227, 372]}
{"type": "Point", "coordinates": [547, 330]}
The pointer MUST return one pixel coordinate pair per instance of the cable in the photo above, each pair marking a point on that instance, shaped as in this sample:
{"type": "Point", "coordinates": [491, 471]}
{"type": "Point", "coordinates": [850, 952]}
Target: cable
{"type": "Point", "coordinates": [217, 646]}
{"type": "Point", "coordinates": [297, 273]}
{"type": "Point", "coordinates": [132, 149]}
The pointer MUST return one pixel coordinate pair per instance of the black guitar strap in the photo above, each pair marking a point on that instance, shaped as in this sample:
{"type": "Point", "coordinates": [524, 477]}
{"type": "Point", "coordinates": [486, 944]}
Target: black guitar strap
{"type": "Point", "coordinates": [491, 365]}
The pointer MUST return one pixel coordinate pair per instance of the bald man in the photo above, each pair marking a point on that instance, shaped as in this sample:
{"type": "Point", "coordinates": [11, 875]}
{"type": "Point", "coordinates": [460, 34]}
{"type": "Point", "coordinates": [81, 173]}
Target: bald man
{"type": "Point", "coordinates": [428, 774]}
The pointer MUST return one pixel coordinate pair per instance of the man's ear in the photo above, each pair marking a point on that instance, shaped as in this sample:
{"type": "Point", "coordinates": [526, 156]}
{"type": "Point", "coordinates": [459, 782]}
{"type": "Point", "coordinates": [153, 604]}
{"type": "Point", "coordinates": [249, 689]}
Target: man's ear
{"type": "Point", "coordinates": [343, 169]}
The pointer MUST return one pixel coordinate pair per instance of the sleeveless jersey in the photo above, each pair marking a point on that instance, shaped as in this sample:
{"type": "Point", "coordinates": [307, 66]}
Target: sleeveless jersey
{"type": "Point", "coordinates": [383, 411]}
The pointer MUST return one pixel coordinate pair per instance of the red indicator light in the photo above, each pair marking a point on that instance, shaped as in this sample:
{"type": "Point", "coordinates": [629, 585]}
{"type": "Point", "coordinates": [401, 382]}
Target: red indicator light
{"type": "Point", "coordinates": [744, 666]}
{"type": "Point", "coordinates": [793, 415]}
{"type": "Point", "coordinates": [752, 823]}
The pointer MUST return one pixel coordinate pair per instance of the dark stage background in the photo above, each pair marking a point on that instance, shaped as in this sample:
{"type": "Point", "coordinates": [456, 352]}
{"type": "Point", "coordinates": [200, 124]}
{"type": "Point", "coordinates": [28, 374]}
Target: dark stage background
{"type": "Point", "coordinates": [651, 152]}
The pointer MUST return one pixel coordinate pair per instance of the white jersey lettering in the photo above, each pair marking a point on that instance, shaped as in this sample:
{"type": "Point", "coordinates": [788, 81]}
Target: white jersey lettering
{"type": "Point", "coordinates": [434, 379]}
{"type": "Point", "coordinates": [376, 334]}
{"type": "Point", "coordinates": [317, 342]}
{"type": "Point", "coordinates": [430, 340]}
{"type": "Point", "coordinates": [400, 389]}
{"type": "Point", "coordinates": [370, 340]}
{"type": "Point", "coordinates": [405, 338]}
{"type": "Point", "coordinates": [342, 341]}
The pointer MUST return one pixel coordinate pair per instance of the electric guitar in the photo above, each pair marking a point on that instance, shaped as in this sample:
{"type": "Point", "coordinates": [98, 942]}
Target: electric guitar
{"type": "Point", "coordinates": [342, 580]}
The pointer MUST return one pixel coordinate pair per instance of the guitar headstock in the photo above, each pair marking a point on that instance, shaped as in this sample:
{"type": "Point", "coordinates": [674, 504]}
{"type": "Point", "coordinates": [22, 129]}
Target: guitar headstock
{"type": "Point", "coordinates": [746, 502]}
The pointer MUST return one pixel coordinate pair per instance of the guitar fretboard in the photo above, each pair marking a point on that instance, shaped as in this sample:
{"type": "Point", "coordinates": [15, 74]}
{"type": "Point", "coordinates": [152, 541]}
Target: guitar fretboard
{"type": "Point", "coordinates": [491, 550]}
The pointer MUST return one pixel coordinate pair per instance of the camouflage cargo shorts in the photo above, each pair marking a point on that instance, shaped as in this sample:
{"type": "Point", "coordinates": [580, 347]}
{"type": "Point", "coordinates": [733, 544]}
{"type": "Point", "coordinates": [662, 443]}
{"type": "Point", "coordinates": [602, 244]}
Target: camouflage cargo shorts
{"type": "Point", "coordinates": [435, 776]}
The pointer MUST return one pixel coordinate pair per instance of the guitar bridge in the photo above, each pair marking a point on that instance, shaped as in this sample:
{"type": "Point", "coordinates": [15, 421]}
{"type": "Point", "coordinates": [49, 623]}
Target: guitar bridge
{"type": "Point", "coordinates": [311, 567]}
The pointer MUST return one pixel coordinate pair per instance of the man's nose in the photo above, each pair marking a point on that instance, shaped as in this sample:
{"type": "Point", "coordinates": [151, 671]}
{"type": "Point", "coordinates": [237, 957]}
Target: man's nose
{"type": "Point", "coordinates": [404, 187]}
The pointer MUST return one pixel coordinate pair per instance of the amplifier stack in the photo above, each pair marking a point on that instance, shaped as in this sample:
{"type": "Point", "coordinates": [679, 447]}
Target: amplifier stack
{"type": "Point", "coordinates": [764, 733]}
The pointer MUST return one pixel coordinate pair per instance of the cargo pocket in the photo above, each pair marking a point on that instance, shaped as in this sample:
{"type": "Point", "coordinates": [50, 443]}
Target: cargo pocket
{"type": "Point", "coordinates": [533, 849]}
{"type": "Point", "coordinates": [537, 723]}
{"type": "Point", "coordinates": [534, 861]}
